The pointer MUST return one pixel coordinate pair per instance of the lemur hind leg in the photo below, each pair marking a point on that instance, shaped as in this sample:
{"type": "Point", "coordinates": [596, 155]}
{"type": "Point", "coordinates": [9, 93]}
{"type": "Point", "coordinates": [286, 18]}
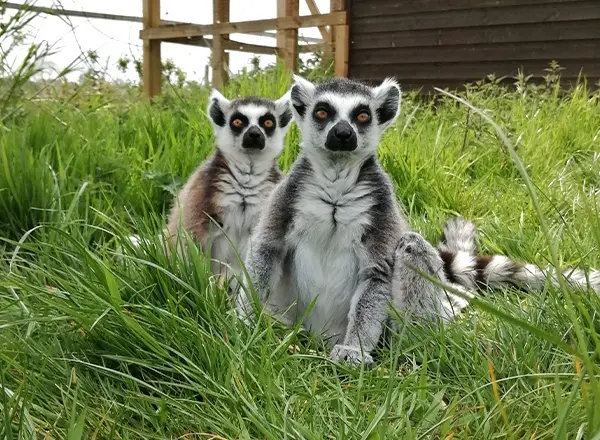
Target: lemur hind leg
{"type": "Point", "coordinates": [415, 296]}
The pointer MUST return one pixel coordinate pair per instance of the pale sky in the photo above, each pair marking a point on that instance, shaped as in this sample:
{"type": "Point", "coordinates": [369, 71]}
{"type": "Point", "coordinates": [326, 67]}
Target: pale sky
{"type": "Point", "coordinates": [112, 39]}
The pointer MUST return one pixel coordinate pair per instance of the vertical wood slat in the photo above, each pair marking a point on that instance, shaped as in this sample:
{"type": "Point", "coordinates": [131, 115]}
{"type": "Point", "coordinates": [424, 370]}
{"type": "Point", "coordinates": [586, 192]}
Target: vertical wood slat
{"type": "Point", "coordinates": [151, 71]}
{"type": "Point", "coordinates": [219, 60]}
{"type": "Point", "coordinates": [340, 41]}
{"type": "Point", "coordinates": [342, 50]}
{"type": "Point", "coordinates": [280, 33]}
{"type": "Point", "coordinates": [287, 40]}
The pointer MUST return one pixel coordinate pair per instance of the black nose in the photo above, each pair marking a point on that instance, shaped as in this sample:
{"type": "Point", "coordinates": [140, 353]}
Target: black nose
{"type": "Point", "coordinates": [343, 132]}
{"type": "Point", "coordinates": [253, 139]}
{"type": "Point", "coordinates": [341, 137]}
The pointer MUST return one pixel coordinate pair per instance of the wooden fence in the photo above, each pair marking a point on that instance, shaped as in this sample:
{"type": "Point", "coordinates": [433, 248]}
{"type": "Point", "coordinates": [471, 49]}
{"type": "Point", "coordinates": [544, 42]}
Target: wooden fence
{"type": "Point", "coordinates": [333, 27]}
{"type": "Point", "coordinates": [446, 43]}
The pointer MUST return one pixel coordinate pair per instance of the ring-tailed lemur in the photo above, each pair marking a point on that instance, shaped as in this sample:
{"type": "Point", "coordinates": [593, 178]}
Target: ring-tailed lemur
{"type": "Point", "coordinates": [332, 232]}
{"type": "Point", "coordinates": [463, 265]}
{"type": "Point", "coordinates": [331, 226]}
{"type": "Point", "coordinates": [232, 186]}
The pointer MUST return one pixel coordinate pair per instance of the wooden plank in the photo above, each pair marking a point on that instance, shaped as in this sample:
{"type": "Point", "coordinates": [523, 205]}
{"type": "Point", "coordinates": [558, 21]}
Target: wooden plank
{"type": "Point", "coordinates": [287, 39]}
{"type": "Point", "coordinates": [340, 41]}
{"type": "Point", "coordinates": [314, 10]}
{"type": "Point", "coordinates": [470, 71]}
{"type": "Point", "coordinates": [72, 13]}
{"type": "Point", "coordinates": [307, 48]}
{"type": "Point", "coordinates": [280, 31]}
{"type": "Point", "coordinates": [235, 46]}
{"type": "Point", "coordinates": [580, 30]}
{"type": "Point", "coordinates": [151, 65]}
{"type": "Point", "coordinates": [342, 37]}
{"type": "Point", "coordinates": [115, 17]}
{"type": "Point", "coordinates": [557, 50]}
{"type": "Point", "coordinates": [243, 27]}
{"type": "Point", "coordinates": [238, 46]}
{"type": "Point", "coordinates": [560, 12]}
{"type": "Point", "coordinates": [380, 8]}
{"type": "Point", "coordinates": [218, 56]}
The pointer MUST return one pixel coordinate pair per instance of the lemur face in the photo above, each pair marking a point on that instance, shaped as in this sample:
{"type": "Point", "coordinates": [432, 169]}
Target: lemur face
{"type": "Point", "coordinates": [342, 115]}
{"type": "Point", "coordinates": [252, 126]}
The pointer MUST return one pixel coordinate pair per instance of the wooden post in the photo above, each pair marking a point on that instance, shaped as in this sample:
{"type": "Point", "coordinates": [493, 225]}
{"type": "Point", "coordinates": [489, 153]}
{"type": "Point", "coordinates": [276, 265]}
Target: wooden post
{"type": "Point", "coordinates": [287, 40]}
{"type": "Point", "coordinates": [340, 41]}
{"type": "Point", "coordinates": [151, 72]}
{"type": "Point", "coordinates": [219, 58]}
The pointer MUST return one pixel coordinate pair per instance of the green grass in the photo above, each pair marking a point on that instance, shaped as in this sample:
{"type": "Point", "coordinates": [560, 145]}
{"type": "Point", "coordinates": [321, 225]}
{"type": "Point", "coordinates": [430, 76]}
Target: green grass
{"type": "Point", "coordinates": [100, 343]}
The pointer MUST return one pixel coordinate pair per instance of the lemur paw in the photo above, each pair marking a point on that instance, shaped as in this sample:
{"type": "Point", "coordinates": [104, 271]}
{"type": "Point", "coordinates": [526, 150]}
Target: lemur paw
{"type": "Point", "coordinates": [350, 355]}
{"type": "Point", "coordinates": [413, 245]}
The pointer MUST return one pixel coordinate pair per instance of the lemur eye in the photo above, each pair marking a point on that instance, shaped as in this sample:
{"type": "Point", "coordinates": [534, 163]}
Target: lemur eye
{"type": "Point", "coordinates": [322, 113]}
{"type": "Point", "coordinates": [237, 123]}
{"type": "Point", "coordinates": [363, 117]}
{"type": "Point", "coordinates": [268, 123]}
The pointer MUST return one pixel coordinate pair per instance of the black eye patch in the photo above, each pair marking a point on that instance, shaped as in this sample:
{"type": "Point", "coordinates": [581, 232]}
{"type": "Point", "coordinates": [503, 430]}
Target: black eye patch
{"type": "Point", "coordinates": [268, 123]}
{"type": "Point", "coordinates": [235, 126]}
{"type": "Point", "coordinates": [357, 116]}
{"type": "Point", "coordinates": [322, 114]}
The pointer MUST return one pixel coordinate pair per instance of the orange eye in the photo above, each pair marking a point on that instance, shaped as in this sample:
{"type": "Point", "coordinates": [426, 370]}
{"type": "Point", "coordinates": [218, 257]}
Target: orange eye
{"type": "Point", "coordinates": [237, 123]}
{"type": "Point", "coordinates": [322, 114]}
{"type": "Point", "coordinates": [268, 123]}
{"type": "Point", "coordinates": [363, 117]}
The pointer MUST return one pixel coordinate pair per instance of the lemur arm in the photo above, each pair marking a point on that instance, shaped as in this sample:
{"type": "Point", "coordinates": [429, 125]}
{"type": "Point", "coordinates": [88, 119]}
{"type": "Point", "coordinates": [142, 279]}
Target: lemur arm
{"type": "Point", "coordinates": [267, 247]}
{"type": "Point", "coordinates": [368, 310]}
{"type": "Point", "coordinates": [264, 260]}
{"type": "Point", "coordinates": [369, 307]}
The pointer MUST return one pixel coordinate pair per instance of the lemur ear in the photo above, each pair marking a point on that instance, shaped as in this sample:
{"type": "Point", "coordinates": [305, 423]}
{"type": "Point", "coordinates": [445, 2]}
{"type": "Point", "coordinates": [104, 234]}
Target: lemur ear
{"type": "Point", "coordinates": [301, 93]}
{"type": "Point", "coordinates": [283, 108]}
{"type": "Point", "coordinates": [217, 106]}
{"type": "Point", "coordinates": [387, 101]}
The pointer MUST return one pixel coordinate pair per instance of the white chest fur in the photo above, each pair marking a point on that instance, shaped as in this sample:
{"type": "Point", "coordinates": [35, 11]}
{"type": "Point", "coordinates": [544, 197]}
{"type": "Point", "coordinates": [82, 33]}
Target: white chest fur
{"type": "Point", "coordinates": [242, 195]}
{"type": "Point", "coordinates": [332, 213]}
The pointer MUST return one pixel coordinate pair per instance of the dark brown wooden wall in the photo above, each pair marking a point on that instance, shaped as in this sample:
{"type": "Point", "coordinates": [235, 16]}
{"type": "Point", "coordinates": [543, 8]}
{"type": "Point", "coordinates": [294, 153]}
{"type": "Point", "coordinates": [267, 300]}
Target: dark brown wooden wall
{"type": "Point", "coordinates": [445, 43]}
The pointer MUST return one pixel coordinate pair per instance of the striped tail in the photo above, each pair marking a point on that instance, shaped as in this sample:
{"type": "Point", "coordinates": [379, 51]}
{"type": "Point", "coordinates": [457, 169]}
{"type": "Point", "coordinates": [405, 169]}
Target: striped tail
{"type": "Point", "coordinates": [465, 267]}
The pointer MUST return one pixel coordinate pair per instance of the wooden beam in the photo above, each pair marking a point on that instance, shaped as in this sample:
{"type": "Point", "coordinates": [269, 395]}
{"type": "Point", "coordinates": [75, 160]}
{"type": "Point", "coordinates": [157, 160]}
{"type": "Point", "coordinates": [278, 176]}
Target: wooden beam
{"type": "Point", "coordinates": [169, 32]}
{"type": "Point", "coordinates": [314, 10]}
{"type": "Point", "coordinates": [280, 42]}
{"type": "Point", "coordinates": [233, 45]}
{"type": "Point", "coordinates": [307, 48]}
{"type": "Point", "coordinates": [287, 39]}
{"type": "Point", "coordinates": [151, 69]}
{"type": "Point", "coordinates": [238, 46]}
{"type": "Point", "coordinates": [342, 37]}
{"type": "Point", "coordinates": [115, 17]}
{"type": "Point", "coordinates": [218, 58]}
{"type": "Point", "coordinates": [340, 40]}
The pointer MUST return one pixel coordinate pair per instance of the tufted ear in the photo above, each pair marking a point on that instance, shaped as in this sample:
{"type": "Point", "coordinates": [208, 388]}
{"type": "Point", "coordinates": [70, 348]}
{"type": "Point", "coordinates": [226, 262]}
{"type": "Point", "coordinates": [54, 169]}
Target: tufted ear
{"type": "Point", "coordinates": [217, 107]}
{"type": "Point", "coordinates": [283, 108]}
{"type": "Point", "coordinates": [387, 98]}
{"type": "Point", "coordinates": [301, 93]}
